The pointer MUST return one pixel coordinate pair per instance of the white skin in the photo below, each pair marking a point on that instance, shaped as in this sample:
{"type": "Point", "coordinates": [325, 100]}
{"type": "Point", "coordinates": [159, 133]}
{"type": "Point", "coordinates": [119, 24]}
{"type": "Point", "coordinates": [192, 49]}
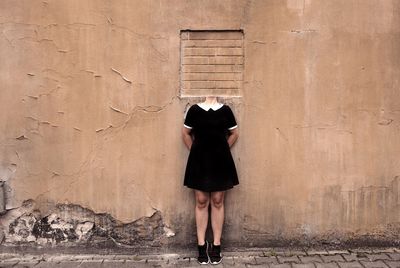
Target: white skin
{"type": "Point", "coordinates": [204, 199]}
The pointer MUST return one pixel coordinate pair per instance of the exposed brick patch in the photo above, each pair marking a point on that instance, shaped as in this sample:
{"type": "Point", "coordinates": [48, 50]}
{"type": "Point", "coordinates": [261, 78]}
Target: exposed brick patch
{"type": "Point", "coordinates": [211, 63]}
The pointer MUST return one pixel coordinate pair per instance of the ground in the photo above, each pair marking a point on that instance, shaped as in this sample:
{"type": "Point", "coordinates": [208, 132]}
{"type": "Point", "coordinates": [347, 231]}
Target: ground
{"type": "Point", "coordinates": [255, 257]}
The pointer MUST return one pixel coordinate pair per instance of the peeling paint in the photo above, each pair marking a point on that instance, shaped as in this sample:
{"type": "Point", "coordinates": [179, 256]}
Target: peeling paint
{"type": "Point", "coordinates": [22, 137]}
{"type": "Point", "coordinates": [69, 224]}
{"type": "Point", "coordinates": [123, 77]}
{"type": "Point", "coordinates": [385, 122]}
{"type": "Point", "coordinates": [118, 111]}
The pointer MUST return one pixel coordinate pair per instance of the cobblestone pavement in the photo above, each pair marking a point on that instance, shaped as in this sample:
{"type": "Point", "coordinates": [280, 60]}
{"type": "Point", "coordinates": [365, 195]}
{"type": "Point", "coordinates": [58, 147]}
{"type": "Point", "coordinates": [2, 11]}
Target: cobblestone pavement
{"type": "Point", "coordinates": [269, 257]}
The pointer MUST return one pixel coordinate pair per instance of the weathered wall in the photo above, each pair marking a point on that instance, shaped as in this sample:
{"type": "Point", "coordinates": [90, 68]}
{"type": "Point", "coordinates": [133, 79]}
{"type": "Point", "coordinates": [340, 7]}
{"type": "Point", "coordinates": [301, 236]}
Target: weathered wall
{"type": "Point", "coordinates": [91, 116]}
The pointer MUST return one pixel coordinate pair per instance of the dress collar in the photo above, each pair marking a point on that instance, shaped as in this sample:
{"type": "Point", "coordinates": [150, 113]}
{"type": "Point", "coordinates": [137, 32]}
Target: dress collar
{"type": "Point", "coordinates": [207, 107]}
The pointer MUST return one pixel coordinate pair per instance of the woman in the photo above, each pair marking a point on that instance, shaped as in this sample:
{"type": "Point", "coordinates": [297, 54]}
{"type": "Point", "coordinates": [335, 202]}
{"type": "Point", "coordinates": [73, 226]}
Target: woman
{"type": "Point", "coordinates": [209, 131]}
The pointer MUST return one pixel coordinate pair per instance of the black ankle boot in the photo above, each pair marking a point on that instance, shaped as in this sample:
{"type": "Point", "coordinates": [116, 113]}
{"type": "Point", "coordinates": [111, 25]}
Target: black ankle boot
{"type": "Point", "coordinates": [215, 254]}
{"type": "Point", "coordinates": [203, 253]}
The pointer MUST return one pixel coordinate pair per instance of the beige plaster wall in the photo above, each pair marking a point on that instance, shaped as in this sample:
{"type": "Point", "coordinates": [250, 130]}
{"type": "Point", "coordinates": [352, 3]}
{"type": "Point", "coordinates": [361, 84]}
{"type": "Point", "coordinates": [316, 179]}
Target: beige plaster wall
{"type": "Point", "coordinates": [91, 113]}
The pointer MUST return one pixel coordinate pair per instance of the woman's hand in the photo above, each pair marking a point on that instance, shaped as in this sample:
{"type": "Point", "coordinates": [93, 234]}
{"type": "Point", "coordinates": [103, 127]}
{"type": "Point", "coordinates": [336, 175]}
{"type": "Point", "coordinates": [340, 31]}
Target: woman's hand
{"type": "Point", "coordinates": [187, 138]}
{"type": "Point", "coordinates": [233, 135]}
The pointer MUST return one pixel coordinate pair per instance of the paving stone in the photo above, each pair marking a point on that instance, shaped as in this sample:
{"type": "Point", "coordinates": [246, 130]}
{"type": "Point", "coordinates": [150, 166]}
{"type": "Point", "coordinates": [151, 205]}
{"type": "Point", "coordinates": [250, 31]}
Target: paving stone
{"type": "Point", "coordinates": [6, 263]}
{"type": "Point", "coordinates": [284, 259]}
{"type": "Point", "coordinates": [378, 256]}
{"type": "Point", "coordinates": [106, 260]}
{"type": "Point", "coordinates": [326, 265]}
{"type": "Point", "coordinates": [228, 265]}
{"type": "Point", "coordinates": [64, 264]}
{"type": "Point", "coordinates": [280, 265]}
{"type": "Point", "coordinates": [266, 260]}
{"type": "Point", "coordinates": [131, 263]}
{"type": "Point", "coordinates": [362, 258]}
{"type": "Point", "coordinates": [138, 265]}
{"type": "Point", "coordinates": [374, 264]}
{"type": "Point", "coordinates": [310, 259]}
{"type": "Point", "coordinates": [244, 260]}
{"type": "Point", "coordinates": [354, 257]}
{"type": "Point", "coordinates": [112, 264]}
{"type": "Point", "coordinates": [26, 263]}
{"type": "Point", "coordinates": [17, 259]}
{"type": "Point", "coordinates": [193, 260]}
{"type": "Point", "coordinates": [180, 262]}
{"type": "Point", "coordinates": [303, 265]}
{"type": "Point", "coordinates": [351, 264]}
{"type": "Point", "coordinates": [194, 265]}
{"type": "Point", "coordinates": [330, 258]}
{"type": "Point", "coordinates": [45, 264]}
{"type": "Point", "coordinates": [226, 260]}
{"type": "Point", "coordinates": [394, 256]}
{"type": "Point", "coordinates": [392, 264]}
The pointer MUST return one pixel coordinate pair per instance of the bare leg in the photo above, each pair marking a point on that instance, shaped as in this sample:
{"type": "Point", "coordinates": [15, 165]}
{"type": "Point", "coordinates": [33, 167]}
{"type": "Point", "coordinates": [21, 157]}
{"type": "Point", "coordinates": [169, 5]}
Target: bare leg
{"type": "Point", "coordinates": [217, 215]}
{"type": "Point", "coordinates": [201, 213]}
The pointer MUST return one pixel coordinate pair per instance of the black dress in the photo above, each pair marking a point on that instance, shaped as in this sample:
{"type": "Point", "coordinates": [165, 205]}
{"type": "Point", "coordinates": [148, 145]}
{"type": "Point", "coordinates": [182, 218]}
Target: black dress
{"type": "Point", "coordinates": [210, 166]}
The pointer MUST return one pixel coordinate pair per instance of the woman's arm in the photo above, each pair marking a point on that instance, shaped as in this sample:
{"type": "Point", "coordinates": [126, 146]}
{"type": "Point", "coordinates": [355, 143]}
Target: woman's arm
{"type": "Point", "coordinates": [187, 138]}
{"type": "Point", "coordinates": [233, 135]}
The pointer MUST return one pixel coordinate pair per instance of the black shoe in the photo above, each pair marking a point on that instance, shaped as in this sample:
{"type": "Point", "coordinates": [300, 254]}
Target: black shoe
{"type": "Point", "coordinates": [203, 256]}
{"type": "Point", "coordinates": [215, 254]}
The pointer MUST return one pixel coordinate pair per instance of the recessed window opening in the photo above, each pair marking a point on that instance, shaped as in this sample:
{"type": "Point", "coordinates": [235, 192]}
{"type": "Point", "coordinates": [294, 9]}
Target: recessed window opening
{"type": "Point", "coordinates": [211, 62]}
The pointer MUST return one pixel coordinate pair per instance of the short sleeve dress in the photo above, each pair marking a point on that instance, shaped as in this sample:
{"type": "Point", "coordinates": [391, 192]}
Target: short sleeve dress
{"type": "Point", "coordinates": [210, 166]}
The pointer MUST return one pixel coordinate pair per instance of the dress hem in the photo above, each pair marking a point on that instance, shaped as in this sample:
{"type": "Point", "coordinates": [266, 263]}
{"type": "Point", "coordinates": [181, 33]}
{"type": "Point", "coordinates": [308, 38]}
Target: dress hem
{"type": "Point", "coordinates": [213, 190]}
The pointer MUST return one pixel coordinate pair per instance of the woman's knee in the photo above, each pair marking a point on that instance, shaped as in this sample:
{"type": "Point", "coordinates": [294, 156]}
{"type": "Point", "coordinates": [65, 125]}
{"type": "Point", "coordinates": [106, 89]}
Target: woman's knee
{"type": "Point", "coordinates": [217, 200]}
{"type": "Point", "coordinates": [202, 200]}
